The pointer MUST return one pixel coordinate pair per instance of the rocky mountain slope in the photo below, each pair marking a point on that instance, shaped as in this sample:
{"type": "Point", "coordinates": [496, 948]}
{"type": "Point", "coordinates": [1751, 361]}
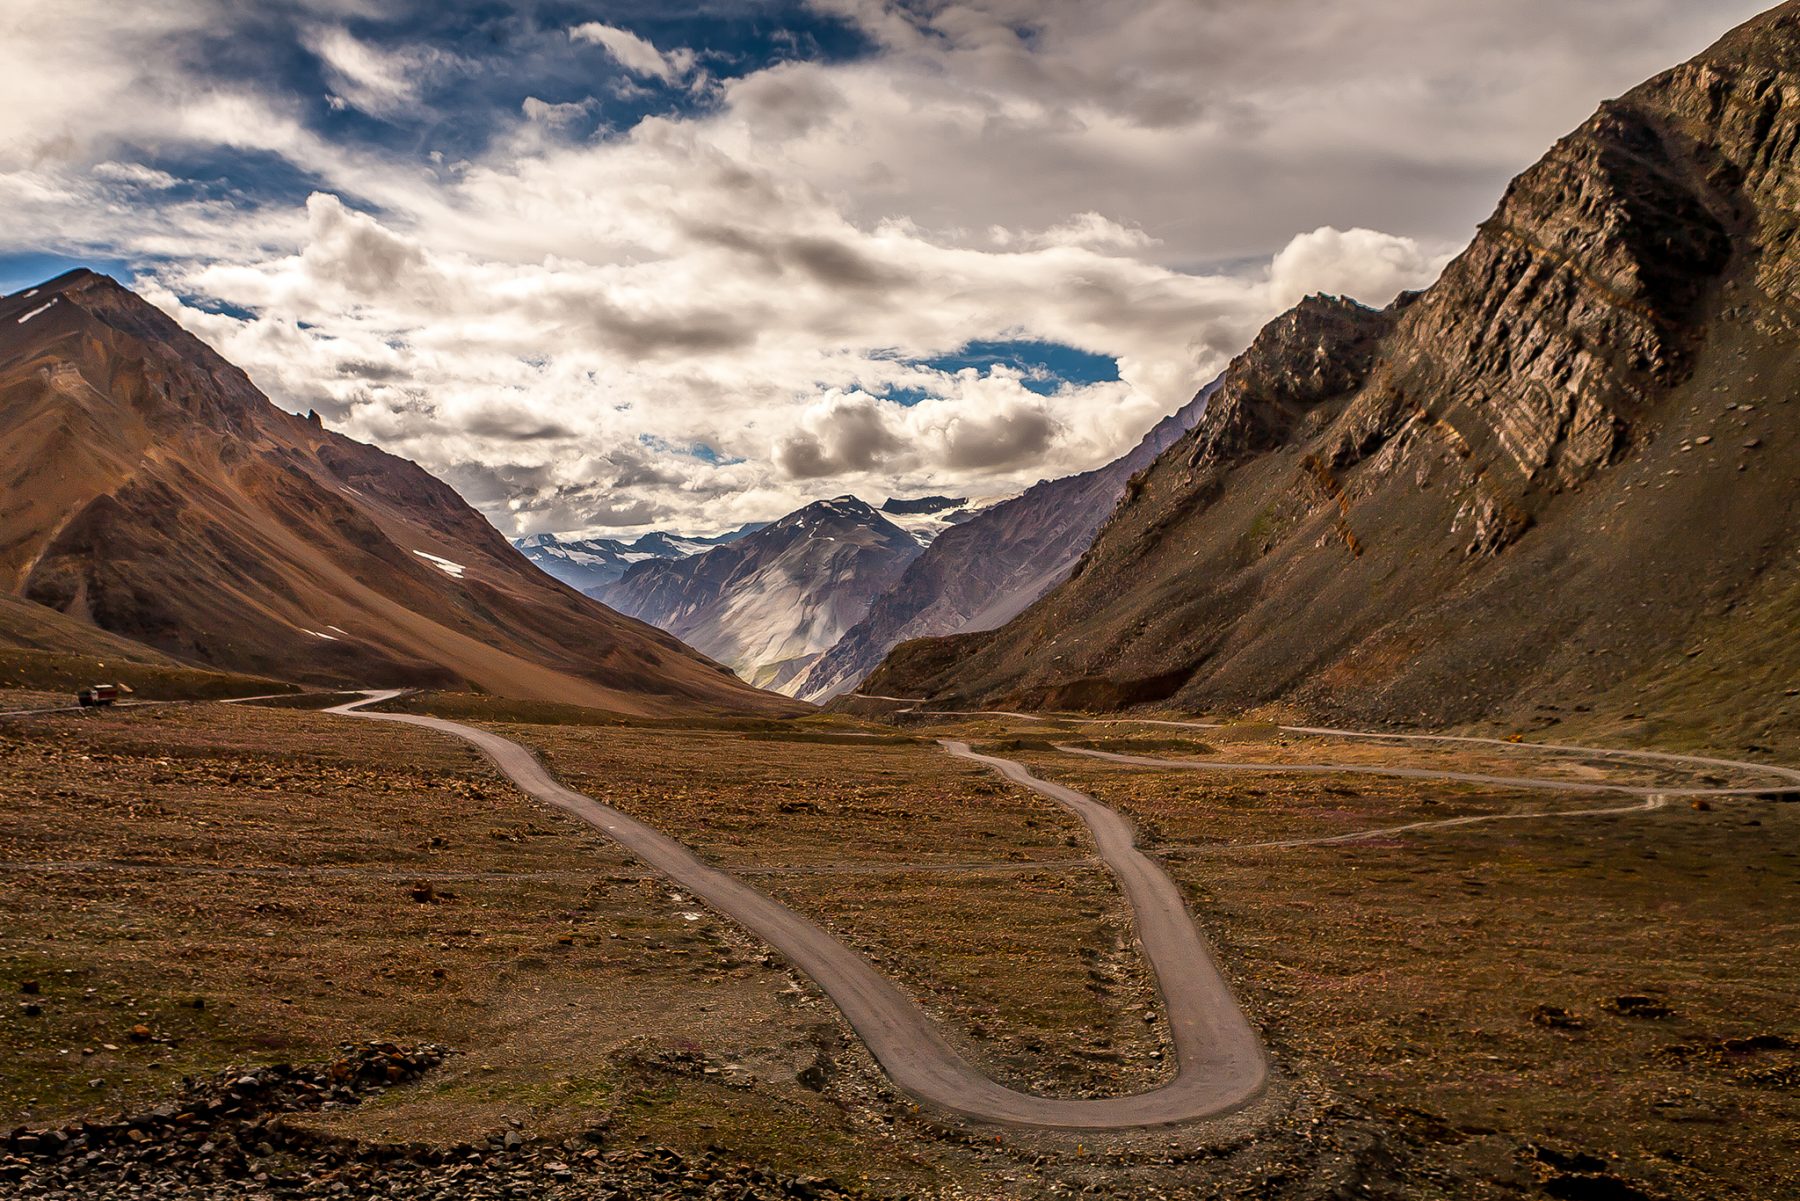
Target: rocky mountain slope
{"type": "Point", "coordinates": [982, 572]}
{"type": "Point", "coordinates": [148, 488]}
{"type": "Point", "coordinates": [766, 605]}
{"type": "Point", "coordinates": [1566, 475]}
{"type": "Point", "coordinates": [590, 565]}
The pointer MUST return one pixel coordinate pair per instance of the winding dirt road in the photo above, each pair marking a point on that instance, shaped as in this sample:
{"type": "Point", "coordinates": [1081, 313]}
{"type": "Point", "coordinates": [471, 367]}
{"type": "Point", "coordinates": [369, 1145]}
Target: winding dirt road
{"type": "Point", "coordinates": [1789, 777]}
{"type": "Point", "coordinates": [1220, 1061]}
{"type": "Point", "coordinates": [1462, 777]}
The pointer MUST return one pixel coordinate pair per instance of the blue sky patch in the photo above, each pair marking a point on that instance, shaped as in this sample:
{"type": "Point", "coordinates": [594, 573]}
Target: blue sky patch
{"type": "Point", "coordinates": [697, 450]}
{"type": "Point", "coordinates": [905, 397]}
{"type": "Point", "coordinates": [1047, 366]}
{"type": "Point", "coordinates": [479, 62]}
{"type": "Point", "coordinates": [223, 308]}
{"type": "Point", "coordinates": [21, 271]}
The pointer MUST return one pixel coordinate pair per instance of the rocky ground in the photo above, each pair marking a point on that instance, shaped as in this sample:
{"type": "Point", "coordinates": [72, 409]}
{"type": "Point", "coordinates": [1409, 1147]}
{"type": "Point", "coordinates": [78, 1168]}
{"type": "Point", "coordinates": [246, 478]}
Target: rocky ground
{"type": "Point", "coordinates": [226, 1138]}
{"type": "Point", "coordinates": [202, 896]}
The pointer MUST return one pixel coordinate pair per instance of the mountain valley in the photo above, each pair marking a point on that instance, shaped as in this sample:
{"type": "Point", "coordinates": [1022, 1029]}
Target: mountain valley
{"type": "Point", "coordinates": [768, 604]}
{"type": "Point", "coordinates": [1380, 780]}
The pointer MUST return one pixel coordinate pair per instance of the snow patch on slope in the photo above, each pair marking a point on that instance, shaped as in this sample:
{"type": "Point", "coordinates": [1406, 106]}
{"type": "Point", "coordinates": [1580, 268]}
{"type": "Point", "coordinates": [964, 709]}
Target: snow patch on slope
{"type": "Point", "coordinates": [453, 570]}
{"type": "Point", "coordinates": [925, 526]}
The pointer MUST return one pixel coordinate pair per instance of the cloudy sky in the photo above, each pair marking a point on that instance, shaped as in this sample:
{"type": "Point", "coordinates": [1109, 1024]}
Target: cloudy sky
{"type": "Point", "coordinates": [622, 264]}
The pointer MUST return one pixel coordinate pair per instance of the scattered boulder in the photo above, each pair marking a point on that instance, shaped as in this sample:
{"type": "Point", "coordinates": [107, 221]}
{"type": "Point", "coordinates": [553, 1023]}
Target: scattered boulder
{"type": "Point", "coordinates": [1594, 1188]}
{"type": "Point", "coordinates": [1636, 1005]}
{"type": "Point", "coordinates": [1567, 1161]}
{"type": "Point", "coordinates": [1579, 1176]}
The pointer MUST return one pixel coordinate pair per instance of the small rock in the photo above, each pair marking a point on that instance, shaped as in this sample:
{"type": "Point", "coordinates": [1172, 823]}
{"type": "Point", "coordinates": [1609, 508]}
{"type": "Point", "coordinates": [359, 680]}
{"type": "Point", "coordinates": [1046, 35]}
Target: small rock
{"type": "Point", "coordinates": [140, 1033]}
{"type": "Point", "coordinates": [1752, 443]}
{"type": "Point", "coordinates": [1568, 1161]}
{"type": "Point", "coordinates": [1633, 1005]}
{"type": "Point", "coordinates": [31, 1009]}
{"type": "Point", "coordinates": [29, 987]}
{"type": "Point", "coordinates": [511, 1140]}
{"type": "Point", "coordinates": [1555, 1017]}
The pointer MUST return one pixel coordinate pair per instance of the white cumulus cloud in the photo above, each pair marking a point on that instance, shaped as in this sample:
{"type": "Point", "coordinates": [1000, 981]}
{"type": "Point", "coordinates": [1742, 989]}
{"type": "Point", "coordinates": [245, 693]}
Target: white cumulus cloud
{"type": "Point", "coordinates": [712, 314]}
{"type": "Point", "coordinates": [634, 53]}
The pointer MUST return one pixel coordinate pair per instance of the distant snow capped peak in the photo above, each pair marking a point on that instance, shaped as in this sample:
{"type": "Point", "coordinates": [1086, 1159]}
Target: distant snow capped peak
{"type": "Point", "coordinates": [922, 504]}
{"type": "Point", "coordinates": [852, 509]}
{"type": "Point", "coordinates": [767, 604]}
{"type": "Point", "coordinates": [854, 506]}
{"type": "Point", "coordinates": [590, 565]}
{"type": "Point", "coordinates": [926, 517]}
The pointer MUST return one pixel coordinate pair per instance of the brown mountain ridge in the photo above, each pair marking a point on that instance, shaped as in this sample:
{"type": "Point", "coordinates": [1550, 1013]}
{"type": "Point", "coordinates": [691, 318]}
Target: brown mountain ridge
{"type": "Point", "coordinates": [1566, 472]}
{"type": "Point", "coordinates": [148, 487]}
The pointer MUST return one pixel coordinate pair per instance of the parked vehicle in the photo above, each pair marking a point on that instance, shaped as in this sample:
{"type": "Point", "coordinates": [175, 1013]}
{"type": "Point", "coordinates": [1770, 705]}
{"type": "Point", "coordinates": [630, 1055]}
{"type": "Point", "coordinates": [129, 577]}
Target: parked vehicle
{"type": "Point", "coordinates": [99, 695]}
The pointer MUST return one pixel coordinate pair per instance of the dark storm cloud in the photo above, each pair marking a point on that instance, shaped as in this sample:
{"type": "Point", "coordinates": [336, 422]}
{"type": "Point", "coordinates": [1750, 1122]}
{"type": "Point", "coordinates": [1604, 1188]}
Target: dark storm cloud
{"type": "Point", "coordinates": [515, 425]}
{"type": "Point", "coordinates": [642, 335]}
{"type": "Point", "coordinates": [853, 434]}
{"type": "Point", "coordinates": [1002, 440]}
{"type": "Point", "coordinates": [836, 264]}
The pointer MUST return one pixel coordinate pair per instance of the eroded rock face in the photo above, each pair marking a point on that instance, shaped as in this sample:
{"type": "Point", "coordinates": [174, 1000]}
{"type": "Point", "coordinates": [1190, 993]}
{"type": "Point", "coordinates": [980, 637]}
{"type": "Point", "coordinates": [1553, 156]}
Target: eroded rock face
{"type": "Point", "coordinates": [1317, 352]}
{"type": "Point", "coordinates": [1535, 355]}
{"type": "Point", "coordinates": [1535, 475]}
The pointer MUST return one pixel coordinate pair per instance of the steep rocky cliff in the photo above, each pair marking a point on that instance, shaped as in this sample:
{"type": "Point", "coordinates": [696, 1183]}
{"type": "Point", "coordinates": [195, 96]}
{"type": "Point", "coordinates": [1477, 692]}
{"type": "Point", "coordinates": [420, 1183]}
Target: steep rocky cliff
{"type": "Point", "coordinates": [1560, 474]}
